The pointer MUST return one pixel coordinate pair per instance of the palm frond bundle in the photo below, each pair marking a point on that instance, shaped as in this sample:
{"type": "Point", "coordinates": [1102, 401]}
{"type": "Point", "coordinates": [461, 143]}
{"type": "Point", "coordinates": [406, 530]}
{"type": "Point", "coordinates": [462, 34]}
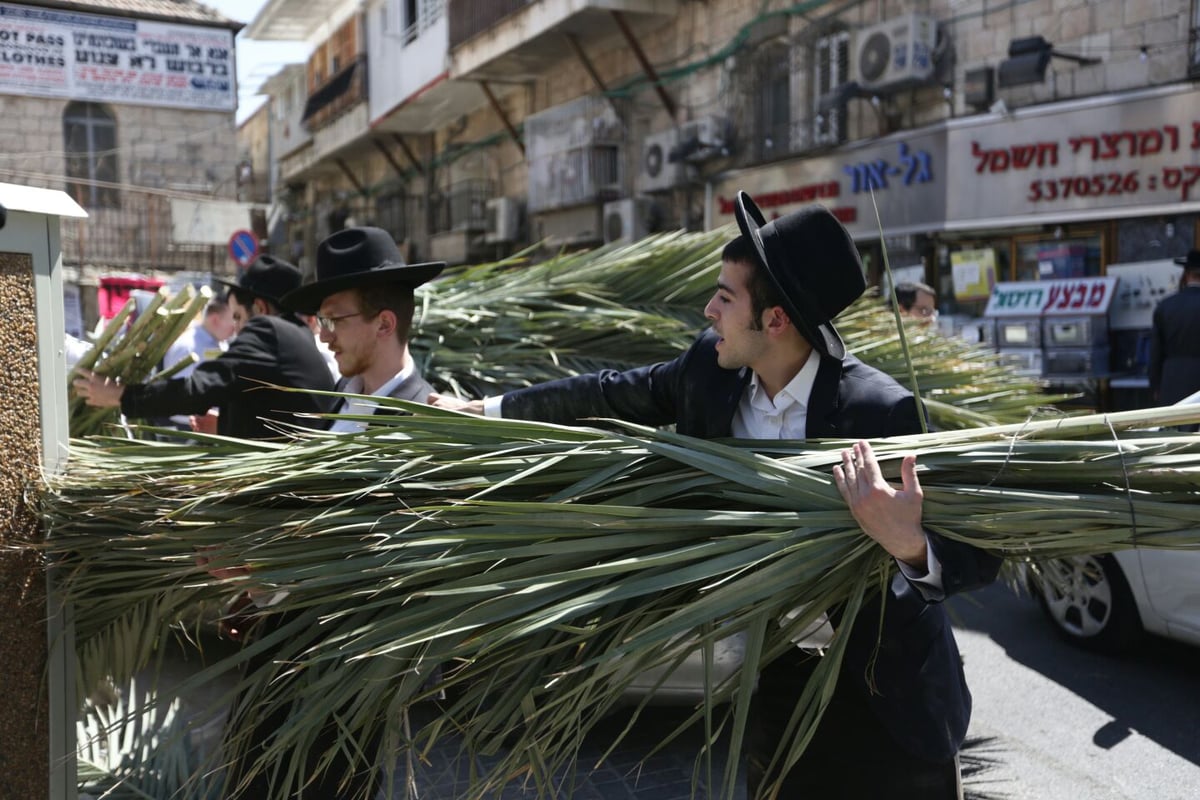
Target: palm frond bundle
{"type": "Point", "coordinates": [539, 569]}
{"type": "Point", "coordinates": [495, 327]}
{"type": "Point", "coordinates": [132, 351]}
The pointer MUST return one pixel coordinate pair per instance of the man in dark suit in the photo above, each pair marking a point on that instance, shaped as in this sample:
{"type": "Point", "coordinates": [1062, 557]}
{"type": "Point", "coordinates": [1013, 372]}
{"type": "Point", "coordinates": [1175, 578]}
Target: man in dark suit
{"type": "Point", "coordinates": [1175, 344]}
{"type": "Point", "coordinates": [363, 302]}
{"type": "Point", "coordinates": [271, 347]}
{"type": "Point", "coordinates": [772, 366]}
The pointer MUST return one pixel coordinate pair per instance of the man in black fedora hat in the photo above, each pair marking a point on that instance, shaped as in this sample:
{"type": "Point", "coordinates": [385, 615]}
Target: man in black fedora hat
{"type": "Point", "coordinates": [1175, 344]}
{"type": "Point", "coordinates": [363, 302]}
{"type": "Point", "coordinates": [772, 366]}
{"type": "Point", "coordinates": [271, 348]}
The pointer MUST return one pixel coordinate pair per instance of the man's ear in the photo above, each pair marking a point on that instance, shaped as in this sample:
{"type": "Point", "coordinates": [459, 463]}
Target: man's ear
{"type": "Point", "coordinates": [387, 322]}
{"type": "Point", "coordinates": [776, 320]}
{"type": "Point", "coordinates": [260, 306]}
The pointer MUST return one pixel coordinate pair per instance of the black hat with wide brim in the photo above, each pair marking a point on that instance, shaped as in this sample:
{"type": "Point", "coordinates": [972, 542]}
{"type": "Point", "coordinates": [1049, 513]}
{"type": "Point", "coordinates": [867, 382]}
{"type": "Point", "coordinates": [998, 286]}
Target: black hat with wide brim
{"type": "Point", "coordinates": [812, 261]}
{"type": "Point", "coordinates": [268, 277]}
{"type": "Point", "coordinates": [1190, 261]}
{"type": "Point", "coordinates": [358, 258]}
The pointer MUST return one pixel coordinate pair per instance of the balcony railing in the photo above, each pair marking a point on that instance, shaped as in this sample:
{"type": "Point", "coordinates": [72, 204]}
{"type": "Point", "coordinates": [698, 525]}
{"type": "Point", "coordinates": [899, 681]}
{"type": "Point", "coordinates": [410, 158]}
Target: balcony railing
{"type": "Point", "coordinates": [337, 95]}
{"type": "Point", "coordinates": [469, 17]}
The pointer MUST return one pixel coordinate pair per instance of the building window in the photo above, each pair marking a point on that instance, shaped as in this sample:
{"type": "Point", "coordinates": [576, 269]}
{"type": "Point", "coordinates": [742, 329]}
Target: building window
{"type": "Point", "coordinates": [773, 102]}
{"type": "Point", "coordinates": [390, 213]}
{"type": "Point", "coordinates": [831, 70]}
{"type": "Point", "coordinates": [90, 144]}
{"type": "Point", "coordinates": [410, 26]}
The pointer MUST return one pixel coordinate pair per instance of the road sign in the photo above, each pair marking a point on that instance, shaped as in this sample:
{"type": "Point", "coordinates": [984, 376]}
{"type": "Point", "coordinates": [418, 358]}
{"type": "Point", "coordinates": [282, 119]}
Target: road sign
{"type": "Point", "coordinates": [243, 247]}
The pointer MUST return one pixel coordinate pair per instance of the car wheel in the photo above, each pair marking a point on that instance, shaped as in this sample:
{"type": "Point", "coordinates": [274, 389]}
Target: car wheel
{"type": "Point", "coordinates": [1089, 601]}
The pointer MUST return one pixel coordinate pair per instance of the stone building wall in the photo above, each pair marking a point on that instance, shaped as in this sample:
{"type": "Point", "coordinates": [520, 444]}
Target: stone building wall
{"type": "Point", "coordinates": [24, 720]}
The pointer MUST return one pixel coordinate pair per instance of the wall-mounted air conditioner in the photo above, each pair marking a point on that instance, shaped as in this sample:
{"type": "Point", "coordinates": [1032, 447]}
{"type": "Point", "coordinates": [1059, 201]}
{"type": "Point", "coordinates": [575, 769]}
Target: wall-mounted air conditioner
{"type": "Point", "coordinates": [657, 172]}
{"type": "Point", "coordinates": [896, 53]}
{"type": "Point", "coordinates": [702, 139]}
{"type": "Point", "coordinates": [503, 220]}
{"type": "Point", "coordinates": [626, 220]}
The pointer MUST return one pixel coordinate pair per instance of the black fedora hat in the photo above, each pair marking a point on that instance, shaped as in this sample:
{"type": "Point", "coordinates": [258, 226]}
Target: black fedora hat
{"type": "Point", "coordinates": [358, 258]}
{"type": "Point", "coordinates": [1190, 261]}
{"type": "Point", "coordinates": [814, 264]}
{"type": "Point", "coordinates": [268, 277]}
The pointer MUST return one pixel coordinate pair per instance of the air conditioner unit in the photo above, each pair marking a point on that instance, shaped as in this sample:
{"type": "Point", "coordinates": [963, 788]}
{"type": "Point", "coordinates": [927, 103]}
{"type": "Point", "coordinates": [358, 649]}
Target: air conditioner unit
{"type": "Point", "coordinates": [625, 220]}
{"type": "Point", "coordinates": [702, 139]}
{"type": "Point", "coordinates": [896, 53]}
{"type": "Point", "coordinates": [503, 220]}
{"type": "Point", "coordinates": [657, 172]}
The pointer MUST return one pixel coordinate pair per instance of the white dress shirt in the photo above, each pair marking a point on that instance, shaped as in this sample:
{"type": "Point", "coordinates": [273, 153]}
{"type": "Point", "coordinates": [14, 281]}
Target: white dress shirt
{"type": "Point", "coordinates": [361, 405]}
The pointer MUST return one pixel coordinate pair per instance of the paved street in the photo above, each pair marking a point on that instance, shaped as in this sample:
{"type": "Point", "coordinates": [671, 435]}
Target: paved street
{"type": "Point", "coordinates": [1073, 724]}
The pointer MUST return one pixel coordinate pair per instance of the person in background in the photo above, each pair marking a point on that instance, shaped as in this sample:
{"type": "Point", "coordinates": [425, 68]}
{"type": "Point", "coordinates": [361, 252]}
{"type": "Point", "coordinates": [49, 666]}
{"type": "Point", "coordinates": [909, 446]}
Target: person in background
{"type": "Point", "coordinates": [362, 301]}
{"type": "Point", "coordinates": [772, 366]}
{"type": "Point", "coordinates": [917, 300]}
{"type": "Point", "coordinates": [205, 339]}
{"type": "Point", "coordinates": [74, 349]}
{"type": "Point", "coordinates": [272, 348]}
{"type": "Point", "coordinates": [1174, 370]}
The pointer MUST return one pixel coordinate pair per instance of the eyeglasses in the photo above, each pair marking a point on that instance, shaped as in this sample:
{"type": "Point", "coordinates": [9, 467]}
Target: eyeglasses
{"type": "Point", "coordinates": [924, 311]}
{"type": "Point", "coordinates": [329, 324]}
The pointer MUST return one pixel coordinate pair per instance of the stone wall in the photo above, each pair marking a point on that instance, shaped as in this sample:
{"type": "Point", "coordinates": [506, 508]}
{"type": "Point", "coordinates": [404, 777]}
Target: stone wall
{"type": "Point", "coordinates": [24, 721]}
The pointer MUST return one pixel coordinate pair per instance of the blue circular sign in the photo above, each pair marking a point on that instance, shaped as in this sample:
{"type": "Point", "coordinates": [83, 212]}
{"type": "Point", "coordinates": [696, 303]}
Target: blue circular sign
{"type": "Point", "coordinates": [243, 247]}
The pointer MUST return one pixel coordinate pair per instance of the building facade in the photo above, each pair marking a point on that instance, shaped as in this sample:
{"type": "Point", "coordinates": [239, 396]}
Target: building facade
{"type": "Point", "coordinates": [128, 106]}
{"type": "Point", "coordinates": [1033, 140]}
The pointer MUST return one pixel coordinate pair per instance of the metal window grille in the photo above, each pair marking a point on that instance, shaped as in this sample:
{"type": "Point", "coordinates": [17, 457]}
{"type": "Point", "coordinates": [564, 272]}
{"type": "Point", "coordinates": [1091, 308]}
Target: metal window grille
{"type": "Point", "coordinates": [831, 70]}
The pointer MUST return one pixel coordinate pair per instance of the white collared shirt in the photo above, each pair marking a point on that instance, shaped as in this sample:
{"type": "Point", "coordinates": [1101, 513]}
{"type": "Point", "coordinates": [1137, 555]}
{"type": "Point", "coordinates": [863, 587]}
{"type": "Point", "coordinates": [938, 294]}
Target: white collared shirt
{"type": "Point", "coordinates": [783, 417]}
{"type": "Point", "coordinates": [357, 405]}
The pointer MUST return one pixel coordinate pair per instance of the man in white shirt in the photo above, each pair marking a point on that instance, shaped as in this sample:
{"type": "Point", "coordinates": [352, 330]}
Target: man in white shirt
{"type": "Point", "coordinates": [363, 303]}
{"type": "Point", "coordinates": [773, 366]}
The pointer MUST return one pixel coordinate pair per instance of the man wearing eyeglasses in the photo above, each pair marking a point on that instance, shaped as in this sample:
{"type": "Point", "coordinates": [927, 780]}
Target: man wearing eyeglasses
{"type": "Point", "coordinates": [917, 300]}
{"type": "Point", "coordinates": [272, 348]}
{"type": "Point", "coordinates": [363, 302]}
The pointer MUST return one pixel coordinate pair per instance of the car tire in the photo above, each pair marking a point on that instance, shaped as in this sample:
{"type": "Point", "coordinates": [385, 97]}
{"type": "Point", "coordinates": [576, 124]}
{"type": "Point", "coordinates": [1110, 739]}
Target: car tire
{"type": "Point", "coordinates": [1088, 600]}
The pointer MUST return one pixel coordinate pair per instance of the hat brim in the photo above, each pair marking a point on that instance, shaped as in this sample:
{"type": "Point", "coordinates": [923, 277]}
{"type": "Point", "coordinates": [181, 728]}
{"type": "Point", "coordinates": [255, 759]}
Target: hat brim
{"type": "Point", "coordinates": [307, 299]}
{"type": "Point", "coordinates": [824, 338]}
{"type": "Point", "coordinates": [236, 285]}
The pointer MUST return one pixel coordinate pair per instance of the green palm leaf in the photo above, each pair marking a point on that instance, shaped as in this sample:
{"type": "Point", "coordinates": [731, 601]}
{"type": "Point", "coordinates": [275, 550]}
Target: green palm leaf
{"type": "Point", "coordinates": [542, 568]}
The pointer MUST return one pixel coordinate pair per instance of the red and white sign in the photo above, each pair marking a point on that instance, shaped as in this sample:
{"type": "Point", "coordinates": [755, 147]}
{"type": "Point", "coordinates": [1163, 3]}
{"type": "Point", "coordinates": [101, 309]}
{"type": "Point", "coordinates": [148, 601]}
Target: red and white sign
{"type": "Point", "coordinates": [1063, 297]}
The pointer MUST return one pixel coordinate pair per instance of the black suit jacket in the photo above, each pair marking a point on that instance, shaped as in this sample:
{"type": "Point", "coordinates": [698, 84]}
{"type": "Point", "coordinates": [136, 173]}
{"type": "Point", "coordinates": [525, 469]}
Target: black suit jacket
{"type": "Point", "coordinates": [1175, 347]}
{"type": "Point", "coordinates": [920, 695]}
{"type": "Point", "coordinates": [269, 350]}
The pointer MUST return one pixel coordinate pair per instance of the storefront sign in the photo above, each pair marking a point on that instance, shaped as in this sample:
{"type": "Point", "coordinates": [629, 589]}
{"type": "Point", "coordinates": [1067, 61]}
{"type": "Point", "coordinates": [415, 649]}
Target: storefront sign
{"type": "Point", "coordinates": [1070, 297]}
{"type": "Point", "coordinates": [51, 53]}
{"type": "Point", "coordinates": [1084, 157]}
{"type": "Point", "coordinates": [906, 175]}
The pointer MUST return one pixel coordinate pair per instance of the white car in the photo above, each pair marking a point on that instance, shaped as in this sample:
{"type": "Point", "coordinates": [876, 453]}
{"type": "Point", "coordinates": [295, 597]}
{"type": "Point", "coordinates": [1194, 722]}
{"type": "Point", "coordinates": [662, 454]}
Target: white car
{"type": "Point", "coordinates": [1105, 602]}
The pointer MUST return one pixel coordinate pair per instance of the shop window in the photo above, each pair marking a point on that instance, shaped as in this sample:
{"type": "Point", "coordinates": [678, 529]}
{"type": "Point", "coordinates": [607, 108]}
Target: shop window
{"type": "Point", "coordinates": [1067, 256]}
{"type": "Point", "coordinates": [90, 142]}
{"type": "Point", "coordinates": [966, 273]}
